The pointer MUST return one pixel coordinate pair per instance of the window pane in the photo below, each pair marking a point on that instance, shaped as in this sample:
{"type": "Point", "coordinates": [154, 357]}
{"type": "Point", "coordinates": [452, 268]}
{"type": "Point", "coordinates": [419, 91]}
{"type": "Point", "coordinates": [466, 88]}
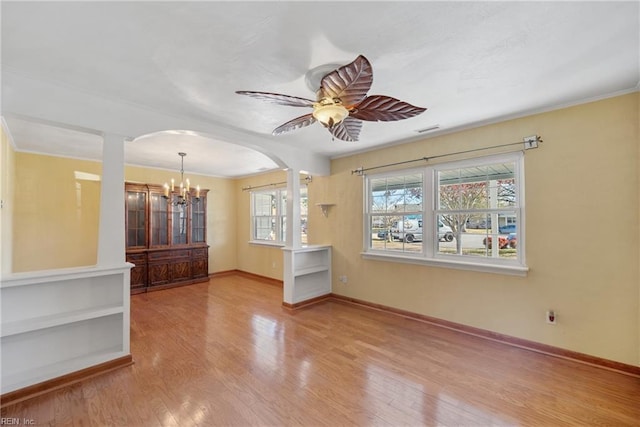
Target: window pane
{"type": "Point", "coordinates": [480, 187]}
{"type": "Point", "coordinates": [264, 228]}
{"type": "Point", "coordinates": [463, 189]}
{"type": "Point", "coordinates": [380, 227]}
{"type": "Point", "coordinates": [304, 212]}
{"type": "Point", "coordinates": [264, 203]}
{"type": "Point", "coordinates": [396, 202]}
{"type": "Point", "coordinates": [402, 234]}
{"type": "Point", "coordinates": [396, 194]}
{"type": "Point", "coordinates": [505, 192]}
{"type": "Point", "coordinates": [283, 229]}
{"type": "Point", "coordinates": [479, 241]}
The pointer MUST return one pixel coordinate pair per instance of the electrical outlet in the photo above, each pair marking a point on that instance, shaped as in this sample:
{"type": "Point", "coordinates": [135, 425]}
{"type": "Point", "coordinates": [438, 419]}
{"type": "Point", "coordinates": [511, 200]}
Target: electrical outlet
{"type": "Point", "coordinates": [552, 317]}
{"type": "Point", "coordinates": [343, 279]}
{"type": "Point", "coordinates": [273, 264]}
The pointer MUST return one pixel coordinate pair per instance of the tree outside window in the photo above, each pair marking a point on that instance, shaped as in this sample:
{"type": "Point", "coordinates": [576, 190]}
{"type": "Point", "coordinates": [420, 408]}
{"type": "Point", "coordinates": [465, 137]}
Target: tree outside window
{"type": "Point", "coordinates": [474, 213]}
{"type": "Point", "coordinates": [269, 215]}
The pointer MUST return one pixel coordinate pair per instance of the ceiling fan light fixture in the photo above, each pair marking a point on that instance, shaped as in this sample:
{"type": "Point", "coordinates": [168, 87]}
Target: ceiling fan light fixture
{"type": "Point", "coordinates": [341, 101]}
{"type": "Point", "coordinates": [330, 115]}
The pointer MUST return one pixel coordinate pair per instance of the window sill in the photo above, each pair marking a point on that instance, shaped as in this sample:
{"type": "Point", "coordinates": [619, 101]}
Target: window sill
{"type": "Point", "coordinates": [513, 270]}
{"type": "Point", "coordinates": [266, 243]}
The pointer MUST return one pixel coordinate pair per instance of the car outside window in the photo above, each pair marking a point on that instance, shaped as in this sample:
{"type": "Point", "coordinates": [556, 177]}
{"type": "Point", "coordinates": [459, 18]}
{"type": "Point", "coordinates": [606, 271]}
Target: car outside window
{"type": "Point", "coordinates": [466, 212]}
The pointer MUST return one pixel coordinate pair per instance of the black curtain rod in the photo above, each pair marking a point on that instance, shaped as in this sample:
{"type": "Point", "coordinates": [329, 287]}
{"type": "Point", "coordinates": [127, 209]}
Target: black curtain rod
{"type": "Point", "coordinates": [529, 143]}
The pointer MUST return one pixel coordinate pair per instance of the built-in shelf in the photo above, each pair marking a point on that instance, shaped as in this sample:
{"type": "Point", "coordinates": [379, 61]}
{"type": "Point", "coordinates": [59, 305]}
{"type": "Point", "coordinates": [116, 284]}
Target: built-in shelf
{"type": "Point", "coordinates": [79, 315]}
{"type": "Point", "coordinates": [307, 273]}
{"type": "Point", "coordinates": [43, 322]}
{"type": "Point", "coordinates": [310, 270]}
{"type": "Point", "coordinates": [325, 208]}
{"type": "Point", "coordinates": [25, 379]}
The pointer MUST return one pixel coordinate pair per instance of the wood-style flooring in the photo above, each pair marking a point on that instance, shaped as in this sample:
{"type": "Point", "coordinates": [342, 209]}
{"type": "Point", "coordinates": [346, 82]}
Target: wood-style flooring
{"type": "Point", "coordinates": [227, 353]}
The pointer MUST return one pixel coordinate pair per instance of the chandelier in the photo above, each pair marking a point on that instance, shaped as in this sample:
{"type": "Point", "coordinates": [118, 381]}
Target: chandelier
{"type": "Point", "coordinates": [184, 190]}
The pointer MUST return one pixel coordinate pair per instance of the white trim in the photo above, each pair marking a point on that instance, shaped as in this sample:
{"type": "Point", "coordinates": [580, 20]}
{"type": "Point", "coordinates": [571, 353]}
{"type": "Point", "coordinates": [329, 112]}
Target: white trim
{"type": "Point", "coordinates": [511, 270]}
{"type": "Point", "coordinates": [267, 243]}
{"type": "Point", "coordinates": [429, 254]}
{"type": "Point", "coordinates": [61, 274]}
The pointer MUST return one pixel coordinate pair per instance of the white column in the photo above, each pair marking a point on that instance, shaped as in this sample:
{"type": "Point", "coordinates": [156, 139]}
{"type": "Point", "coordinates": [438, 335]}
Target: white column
{"type": "Point", "coordinates": [294, 240]}
{"type": "Point", "coordinates": [111, 242]}
{"type": "Point", "coordinates": [293, 234]}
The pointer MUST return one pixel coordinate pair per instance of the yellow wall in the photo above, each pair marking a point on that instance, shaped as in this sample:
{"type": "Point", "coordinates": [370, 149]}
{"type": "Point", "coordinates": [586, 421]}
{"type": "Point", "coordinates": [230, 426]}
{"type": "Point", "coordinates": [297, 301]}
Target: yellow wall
{"type": "Point", "coordinates": [319, 192]}
{"type": "Point", "coordinates": [56, 220]}
{"type": "Point", "coordinates": [263, 260]}
{"type": "Point", "coordinates": [55, 215]}
{"type": "Point", "coordinates": [582, 235]}
{"type": "Point", "coordinates": [7, 170]}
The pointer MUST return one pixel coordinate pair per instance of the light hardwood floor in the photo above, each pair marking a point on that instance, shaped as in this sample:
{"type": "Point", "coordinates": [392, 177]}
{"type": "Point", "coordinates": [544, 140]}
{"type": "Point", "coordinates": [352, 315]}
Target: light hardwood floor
{"type": "Point", "coordinates": [227, 353]}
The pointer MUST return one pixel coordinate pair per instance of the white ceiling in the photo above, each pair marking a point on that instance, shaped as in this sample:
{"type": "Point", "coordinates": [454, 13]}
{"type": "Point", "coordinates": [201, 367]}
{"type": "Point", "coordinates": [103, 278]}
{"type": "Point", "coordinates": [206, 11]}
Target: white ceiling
{"type": "Point", "coordinates": [74, 70]}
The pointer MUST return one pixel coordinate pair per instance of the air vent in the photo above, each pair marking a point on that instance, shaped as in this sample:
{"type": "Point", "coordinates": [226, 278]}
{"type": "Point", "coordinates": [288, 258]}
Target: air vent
{"type": "Point", "coordinates": [429, 129]}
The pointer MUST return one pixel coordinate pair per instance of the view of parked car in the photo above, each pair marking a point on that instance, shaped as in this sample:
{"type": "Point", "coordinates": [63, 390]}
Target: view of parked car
{"type": "Point", "coordinates": [411, 231]}
{"type": "Point", "coordinates": [508, 228]}
{"type": "Point", "coordinates": [504, 242]}
{"type": "Point", "coordinates": [478, 223]}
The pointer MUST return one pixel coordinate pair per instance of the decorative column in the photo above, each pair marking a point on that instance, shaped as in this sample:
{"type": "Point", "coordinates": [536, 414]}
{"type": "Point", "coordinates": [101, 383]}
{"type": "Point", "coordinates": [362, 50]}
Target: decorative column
{"type": "Point", "coordinates": [307, 270]}
{"type": "Point", "coordinates": [111, 242]}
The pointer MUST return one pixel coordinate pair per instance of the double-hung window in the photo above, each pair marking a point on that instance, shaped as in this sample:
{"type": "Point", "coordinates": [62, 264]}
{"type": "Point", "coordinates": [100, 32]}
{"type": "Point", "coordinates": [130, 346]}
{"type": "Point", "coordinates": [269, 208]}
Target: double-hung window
{"type": "Point", "coordinates": [395, 211]}
{"type": "Point", "coordinates": [466, 214]}
{"type": "Point", "coordinates": [269, 215]}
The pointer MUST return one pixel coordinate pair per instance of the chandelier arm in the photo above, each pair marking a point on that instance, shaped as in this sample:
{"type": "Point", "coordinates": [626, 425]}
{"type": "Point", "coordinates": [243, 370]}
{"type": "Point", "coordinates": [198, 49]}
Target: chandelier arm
{"type": "Point", "coordinates": [184, 196]}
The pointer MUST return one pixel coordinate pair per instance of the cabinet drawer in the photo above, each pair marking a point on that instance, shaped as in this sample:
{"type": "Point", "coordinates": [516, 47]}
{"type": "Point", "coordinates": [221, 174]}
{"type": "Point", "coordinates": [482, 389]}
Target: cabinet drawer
{"type": "Point", "coordinates": [159, 255]}
{"type": "Point", "coordinates": [181, 254]}
{"type": "Point", "coordinates": [137, 258]}
{"type": "Point", "coordinates": [200, 253]}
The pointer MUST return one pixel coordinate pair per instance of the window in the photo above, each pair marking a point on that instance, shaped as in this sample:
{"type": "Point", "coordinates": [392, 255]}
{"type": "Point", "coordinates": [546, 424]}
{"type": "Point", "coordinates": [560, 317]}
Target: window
{"type": "Point", "coordinates": [396, 212]}
{"type": "Point", "coordinates": [466, 214]}
{"type": "Point", "coordinates": [269, 215]}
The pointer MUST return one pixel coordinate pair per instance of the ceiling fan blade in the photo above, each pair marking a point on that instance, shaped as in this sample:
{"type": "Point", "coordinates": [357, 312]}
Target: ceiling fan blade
{"type": "Point", "coordinates": [350, 83]}
{"type": "Point", "coordinates": [385, 109]}
{"type": "Point", "coordinates": [347, 130]}
{"type": "Point", "coordinates": [278, 98]}
{"type": "Point", "coordinates": [297, 123]}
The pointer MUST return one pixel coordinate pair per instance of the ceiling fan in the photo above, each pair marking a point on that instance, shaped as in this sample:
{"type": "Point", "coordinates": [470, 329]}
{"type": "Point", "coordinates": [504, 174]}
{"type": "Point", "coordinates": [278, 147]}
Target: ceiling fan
{"type": "Point", "coordinates": [342, 103]}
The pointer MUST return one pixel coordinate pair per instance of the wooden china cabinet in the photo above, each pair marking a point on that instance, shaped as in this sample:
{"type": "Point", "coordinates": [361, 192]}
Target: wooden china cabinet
{"type": "Point", "coordinates": [166, 241]}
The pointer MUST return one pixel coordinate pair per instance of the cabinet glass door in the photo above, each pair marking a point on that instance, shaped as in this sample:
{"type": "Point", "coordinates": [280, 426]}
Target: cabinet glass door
{"type": "Point", "coordinates": [136, 219]}
{"type": "Point", "coordinates": [159, 220]}
{"type": "Point", "coordinates": [178, 223]}
{"type": "Point", "coordinates": [197, 221]}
